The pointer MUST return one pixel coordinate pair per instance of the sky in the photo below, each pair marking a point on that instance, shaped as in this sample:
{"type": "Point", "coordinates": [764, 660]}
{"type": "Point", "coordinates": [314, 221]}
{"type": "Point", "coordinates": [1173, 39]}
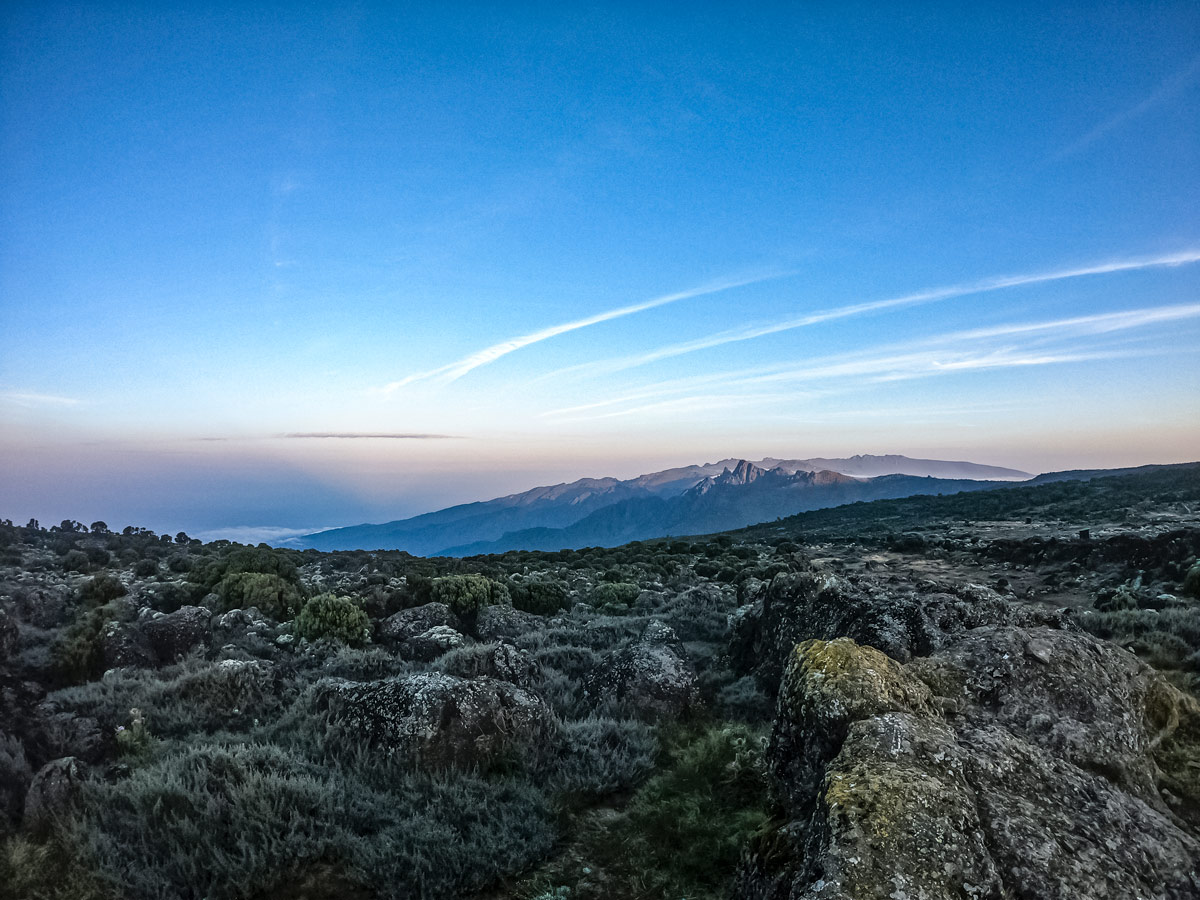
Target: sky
{"type": "Point", "coordinates": [269, 270]}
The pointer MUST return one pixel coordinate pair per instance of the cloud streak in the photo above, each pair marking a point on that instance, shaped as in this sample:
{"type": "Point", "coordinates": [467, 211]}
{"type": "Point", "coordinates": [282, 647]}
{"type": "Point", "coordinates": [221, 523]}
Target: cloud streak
{"type": "Point", "coordinates": [455, 370]}
{"type": "Point", "coordinates": [928, 357]}
{"type": "Point", "coordinates": [32, 399]}
{"type": "Point", "coordinates": [1166, 91]}
{"type": "Point", "coordinates": [370, 435]}
{"type": "Point", "coordinates": [984, 286]}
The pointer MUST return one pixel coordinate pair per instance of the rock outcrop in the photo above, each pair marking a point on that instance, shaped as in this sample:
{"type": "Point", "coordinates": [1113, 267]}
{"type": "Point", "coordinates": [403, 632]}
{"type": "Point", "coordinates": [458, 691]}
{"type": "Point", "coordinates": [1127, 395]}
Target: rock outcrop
{"type": "Point", "coordinates": [903, 622]}
{"type": "Point", "coordinates": [1013, 763]}
{"type": "Point", "coordinates": [653, 675]}
{"type": "Point", "coordinates": [408, 623]}
{"type": "Point", "coordinates": [440, 720]}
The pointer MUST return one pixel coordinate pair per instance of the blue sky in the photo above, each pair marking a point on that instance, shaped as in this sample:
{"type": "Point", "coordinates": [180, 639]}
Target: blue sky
{"type": "Point", "coordinates": [549, 242]}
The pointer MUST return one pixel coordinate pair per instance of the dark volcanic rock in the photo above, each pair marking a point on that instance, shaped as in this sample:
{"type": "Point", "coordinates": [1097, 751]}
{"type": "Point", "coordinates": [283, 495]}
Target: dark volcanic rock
{"type": "Point", "coordinates": [51, 792]}
{"type": "Point", "coordinates": [9, 635]}
{"type": "Point", "coordinates": [410, 622]}
{"type": "Point", "coordinates": [439, 719]}
{"type": "Point", "coordinates": [902, 622]}
{"type": "Point", "coordinates": [498, 621]}
{"type": "Point", "coordinates": [1014, 763]}
{"type": "Point", "coordinates": [653, 674]}
{"type": "Point", "coordinates": [172, 635]}
{"type": "Point", "coordinates": [429, 645]}
{"type": "Point", "coordinates": [125, 644]}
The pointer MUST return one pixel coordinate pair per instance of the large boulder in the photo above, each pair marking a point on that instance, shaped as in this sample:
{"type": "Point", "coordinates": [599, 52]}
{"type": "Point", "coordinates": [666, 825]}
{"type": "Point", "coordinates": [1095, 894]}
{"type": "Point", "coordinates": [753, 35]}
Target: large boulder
{"type": "Point", "coordinates": [653, 675]}
{"type": "Point", "coordinates": [52, 792]}
{"type": "Point", "coordinates": [498, 622]}
{"type": "Point", "coordinates": [409, 623]}
{"type": "Point", "coordinates": [125, 644]}
{"type": "Point", "coordinates": [1013, 763]}
{"type": "Point", "coordinates": [429, 645]}
{"type": "Point", "coordinates": [901, 620]}
{"type": "Point", "coordinates": [439, 720]}
{"type": "Point", "coordinates": [172, 635]}
{"type": "Point", "coordinates": [500, 660]}
{"type": "Point", "coordinates": [9, 635]}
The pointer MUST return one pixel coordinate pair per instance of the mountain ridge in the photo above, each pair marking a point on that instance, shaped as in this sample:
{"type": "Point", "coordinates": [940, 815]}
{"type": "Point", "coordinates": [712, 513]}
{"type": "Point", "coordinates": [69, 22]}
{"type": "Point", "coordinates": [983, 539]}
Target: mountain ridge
{"type": "Point", "coordinates": [559, 508]}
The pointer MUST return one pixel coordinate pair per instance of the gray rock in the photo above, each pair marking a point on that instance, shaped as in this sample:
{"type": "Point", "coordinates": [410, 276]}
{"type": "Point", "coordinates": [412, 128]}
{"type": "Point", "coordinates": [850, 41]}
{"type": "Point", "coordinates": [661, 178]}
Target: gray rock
{"type": "Point", "coordinates": [499, 621]}
{"type": "Point", "coordinates": [916, 620]}
{"type": "Point", "coordinates": [982, 771]}
{"type": "Point", "coordinates": [125, 644]}
{"type": "Point", "coordinates": [652, 675]}
{"type": "Point", "coordinates": [172, 635]}
{"type": "Point", "coordinates": [501, 660]}
{"type": "Point", "coordinates": [438, 719]}
{"type": "Point", "coordinates": [429, 645]}
{"type": "Point", "coordinates": [52, 792]}
{"type": "Point", "coordinates": [409, 623]}
{"type": "Point", "coordinates": [9, 635]}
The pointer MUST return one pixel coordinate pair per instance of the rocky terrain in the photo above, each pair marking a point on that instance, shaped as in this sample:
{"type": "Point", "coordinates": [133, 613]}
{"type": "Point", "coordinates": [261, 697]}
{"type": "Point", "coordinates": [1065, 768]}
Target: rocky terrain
{"type": "Point", "coordinates": [990, 695]}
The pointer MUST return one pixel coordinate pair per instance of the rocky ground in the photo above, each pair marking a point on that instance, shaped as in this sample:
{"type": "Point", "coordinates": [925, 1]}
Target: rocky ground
{"type": "Point", "coordinates": [928, 698]}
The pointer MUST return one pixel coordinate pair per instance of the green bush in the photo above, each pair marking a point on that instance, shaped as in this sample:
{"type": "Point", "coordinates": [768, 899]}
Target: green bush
{"type": "Point", "coordinates": [373, 830]}
{"type": "Point", "coordinates": [328, 616]}
{"type": "Point", "coordinates": [544, 598]}
{"type": "Point", "coordinates": [615, 597]}
{"type": "Point", "coordinates": [76, 561]}
{"type": "Point", "coordinates": [77, 656]}
{"type": "Point", "coordinates": [103, 588]}
{"type": "Point", "coordinates": [1191, 581]}
{"type": "Point", "coordinates": [273, 595]}
{"type": "Point", "coordinates": [466, 595]}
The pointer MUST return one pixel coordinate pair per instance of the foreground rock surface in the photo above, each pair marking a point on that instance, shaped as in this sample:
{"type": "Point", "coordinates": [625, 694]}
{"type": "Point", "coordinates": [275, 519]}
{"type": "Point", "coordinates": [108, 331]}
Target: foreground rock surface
{"type": "Point", "coordinates": [441, 720]}
{"type": "Point", "coordinates": [1014, 763]}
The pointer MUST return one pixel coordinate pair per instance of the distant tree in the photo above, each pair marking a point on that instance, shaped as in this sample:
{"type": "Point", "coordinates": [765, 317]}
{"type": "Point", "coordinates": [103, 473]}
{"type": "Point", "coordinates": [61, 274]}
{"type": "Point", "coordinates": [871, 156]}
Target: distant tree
{"type": "Point", "coordinates": [100, 528]}
{"type": "Point", "coordinates": [182, 538]}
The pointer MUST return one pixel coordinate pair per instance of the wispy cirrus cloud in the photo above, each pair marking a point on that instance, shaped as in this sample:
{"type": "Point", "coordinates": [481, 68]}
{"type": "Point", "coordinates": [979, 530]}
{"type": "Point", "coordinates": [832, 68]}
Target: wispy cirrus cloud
{"type": "Point", "coordinates": [371, 435]}
{"type": "Point", "coordinates": [607, 367]}
{"type": "Point", "coordinates": [1166, 91]}
{"type": "Point", "coordinates": [455, 370]}
{"type": "Point", "coordinates": [952, 352]}
{"type": "Point", "coordinates": [33, 399]}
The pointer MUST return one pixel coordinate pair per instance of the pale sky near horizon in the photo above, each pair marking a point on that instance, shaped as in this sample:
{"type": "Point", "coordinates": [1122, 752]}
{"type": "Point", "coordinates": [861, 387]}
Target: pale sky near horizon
{"type": "Point", "coordinates": [302, 268]}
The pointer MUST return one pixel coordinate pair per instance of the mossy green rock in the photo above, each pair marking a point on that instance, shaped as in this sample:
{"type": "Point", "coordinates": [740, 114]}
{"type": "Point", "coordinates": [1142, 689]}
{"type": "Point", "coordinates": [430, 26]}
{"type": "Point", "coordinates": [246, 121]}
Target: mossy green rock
{"type": "Point", "coordinates": [1014, 763]}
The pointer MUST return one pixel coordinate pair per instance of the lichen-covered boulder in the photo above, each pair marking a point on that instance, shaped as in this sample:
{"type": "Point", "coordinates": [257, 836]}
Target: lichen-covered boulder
{"type": "Point", "coordinates": [1013, 763]}
{"type": "Point", "coordinates": [500, 621]}
{"type": "Point", "coordinates": [125, 644]}
{"type": "Point", "coordinates": [500, 660]}
{"type": "Point", "coordinates": [903, 621]}
{"type": "Point", "coordinates": [52, 791]}
{"type": "Point", "coordinates": [653, 675]}
{"type": "Point", "coordinates": [432, 643]}
{"type": "Point", "coordinates": [439, 720]}
{"type": "Point", "coordinates": [408, 623]}
{"type": "Point", "coordinates": [172, 635]}
{"type": "Point", "coordinates": [9, 635]}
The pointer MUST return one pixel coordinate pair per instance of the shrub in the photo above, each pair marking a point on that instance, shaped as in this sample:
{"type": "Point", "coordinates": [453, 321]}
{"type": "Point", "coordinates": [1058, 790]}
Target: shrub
{"type": "Point", "coordinates": [103, 588]}
{"type": "Point", "coordinates": [76, 561]}
{"type": "Point", "coordinates": [602, 756]}
{"type": "Point", "coordinates": [78, 655]}
{"type": "Point", "coordinates": [273, 595]}
{"type": "Point", "coordinates": [329, 616]}
{"type": "Point", "coordinates": [1191, 581]}
{"type": "Point", "coordinates": [145, 568]}
{"type": "Point", "coordinates": [544, 598]}
{"type": "Point", "coordinates": [614, 597]}
{"type": "Point", "coordinates": [381, 830]}
{"type": "Point", "coordinates": [466, 595]}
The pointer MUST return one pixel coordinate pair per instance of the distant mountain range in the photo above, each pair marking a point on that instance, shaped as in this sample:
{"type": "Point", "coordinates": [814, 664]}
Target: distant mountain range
{"type": "Point", "coordinates": [729, 493]}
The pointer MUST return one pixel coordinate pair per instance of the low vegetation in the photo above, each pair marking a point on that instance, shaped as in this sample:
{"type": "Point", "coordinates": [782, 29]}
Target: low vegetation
{"type": "Point", "coordinates": [259, 722]}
